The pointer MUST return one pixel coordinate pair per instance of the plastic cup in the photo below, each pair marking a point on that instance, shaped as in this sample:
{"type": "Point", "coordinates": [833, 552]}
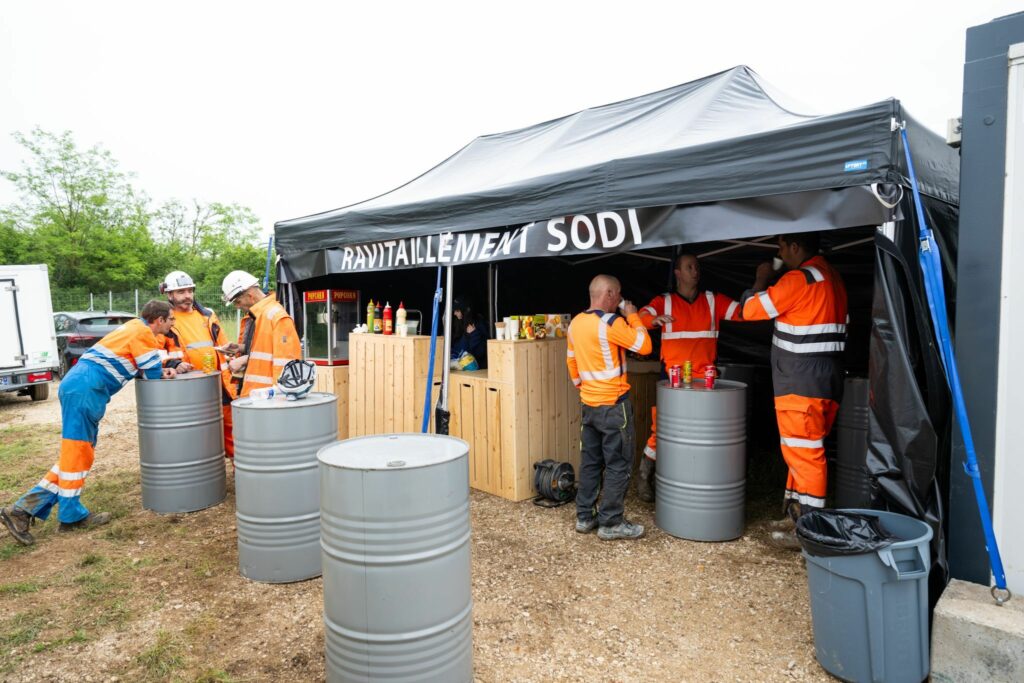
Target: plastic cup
{"type": "Point", "coordinates": [513, 329]}
{"type": "Point", "coordinates": [499, 330]}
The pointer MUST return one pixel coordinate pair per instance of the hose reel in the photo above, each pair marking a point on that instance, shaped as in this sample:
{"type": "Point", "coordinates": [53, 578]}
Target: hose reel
{"type": "Point", "coordinates": [555, 483]}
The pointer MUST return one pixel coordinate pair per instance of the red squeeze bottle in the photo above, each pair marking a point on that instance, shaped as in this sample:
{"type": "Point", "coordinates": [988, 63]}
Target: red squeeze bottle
{"type": "Point", "coordinates": [389, 327]}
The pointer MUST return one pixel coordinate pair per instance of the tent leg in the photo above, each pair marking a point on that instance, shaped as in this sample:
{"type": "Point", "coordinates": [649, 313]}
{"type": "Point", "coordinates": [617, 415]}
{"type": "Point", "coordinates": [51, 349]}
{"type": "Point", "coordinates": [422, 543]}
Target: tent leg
{"type": "Point", "coordinates": [447, 367]}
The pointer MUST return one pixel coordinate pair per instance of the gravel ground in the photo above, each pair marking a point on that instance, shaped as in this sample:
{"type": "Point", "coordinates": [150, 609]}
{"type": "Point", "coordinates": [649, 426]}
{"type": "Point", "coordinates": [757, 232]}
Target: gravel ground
{"type": "Point", "coordinates": [549, 604]}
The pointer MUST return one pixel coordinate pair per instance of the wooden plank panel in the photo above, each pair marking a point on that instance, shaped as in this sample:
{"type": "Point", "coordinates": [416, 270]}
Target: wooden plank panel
{"type": "Point", "coordinates": [478, 443]}
{"type": "Point", "coordinates": [494, 439]}
{"type": "Point", "coordinates": [341, 390]}
{"type": "Point", "coordinates": [393, 353]}
{"type": "Point", "coordinates": [508, 430]}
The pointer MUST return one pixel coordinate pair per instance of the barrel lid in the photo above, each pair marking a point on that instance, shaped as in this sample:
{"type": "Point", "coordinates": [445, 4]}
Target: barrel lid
{"type": "Point", "coordinates": [393, 451]}
{"type": "Point", "coordinates": [698, 385]}
{"type": "Point", "coordinates": [313, 398]}
{"type": "Point", "coordinates": [195, 374]}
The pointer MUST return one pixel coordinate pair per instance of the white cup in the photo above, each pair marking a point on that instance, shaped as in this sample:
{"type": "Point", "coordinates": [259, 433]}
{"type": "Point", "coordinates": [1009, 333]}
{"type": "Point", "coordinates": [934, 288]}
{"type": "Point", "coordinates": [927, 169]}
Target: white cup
{"type": "Point", "coordinates": [512, 328]}
{"type": "Point", "coordinates": [499, 330]}
{"type": "Point", "coordinates": [777, 264]}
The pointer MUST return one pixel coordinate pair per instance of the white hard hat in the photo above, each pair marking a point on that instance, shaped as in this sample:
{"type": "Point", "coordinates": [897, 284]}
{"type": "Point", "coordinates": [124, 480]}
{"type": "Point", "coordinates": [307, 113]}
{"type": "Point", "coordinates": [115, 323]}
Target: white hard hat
{"type": "Point", "coordinates": [236, 282]}
{"type": "Point", "coordinates": [176, 279]}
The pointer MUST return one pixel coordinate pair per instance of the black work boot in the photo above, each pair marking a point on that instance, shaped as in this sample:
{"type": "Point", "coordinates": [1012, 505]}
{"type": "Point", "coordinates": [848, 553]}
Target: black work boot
{"type": "Point", "coordinates": [17, 522]}
{"type": "Point", "coordinates": [645, 482]}
{"type": "Point", "coordinates": [93, 519]}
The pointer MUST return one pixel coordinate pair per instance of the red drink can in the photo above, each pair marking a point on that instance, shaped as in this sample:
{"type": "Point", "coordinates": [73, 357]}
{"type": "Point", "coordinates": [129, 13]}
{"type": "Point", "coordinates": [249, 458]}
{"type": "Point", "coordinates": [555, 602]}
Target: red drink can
{"type": "Point", "coordinates": [675, 376]}
{"type": "Point", "coordinates": [709, 377]}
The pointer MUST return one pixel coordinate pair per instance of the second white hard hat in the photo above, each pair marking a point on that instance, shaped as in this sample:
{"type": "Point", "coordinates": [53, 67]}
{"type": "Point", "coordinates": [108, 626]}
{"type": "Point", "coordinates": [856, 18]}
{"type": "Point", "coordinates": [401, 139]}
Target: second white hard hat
{"type": "Point", "coordinates": [236, 282]}
{"type": "Point", "coordinates": [176, 279]}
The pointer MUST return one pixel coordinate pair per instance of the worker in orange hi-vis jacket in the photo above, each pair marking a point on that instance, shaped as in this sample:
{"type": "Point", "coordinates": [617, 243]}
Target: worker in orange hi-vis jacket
{"type": "Point", "coordinates": [129, 351]}
{"type": "Point", "coordinates": [195, 339]}
{"type": "Point", "coordinates": [689, 320]}
{"type": "Point", "coordinates": [597, 341]}
{"type": "Point", "coordinates": [808, 304]}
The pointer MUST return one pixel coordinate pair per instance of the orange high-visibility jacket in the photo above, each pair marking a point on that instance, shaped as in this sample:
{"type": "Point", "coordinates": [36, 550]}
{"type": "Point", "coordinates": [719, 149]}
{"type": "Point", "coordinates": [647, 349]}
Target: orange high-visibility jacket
{"type": "Point", "coordinates": [125, 352]}
{"type": "Point", "coordinates": [596, 354]}
{"type": "Point", "coordinates": [274, 343]}
{"type": "Point", "coordinates": [194, 335]}
{"type": "Point", "coordinates": [693, 334]}
{"type": "Point", "coordinates": [809, 308]}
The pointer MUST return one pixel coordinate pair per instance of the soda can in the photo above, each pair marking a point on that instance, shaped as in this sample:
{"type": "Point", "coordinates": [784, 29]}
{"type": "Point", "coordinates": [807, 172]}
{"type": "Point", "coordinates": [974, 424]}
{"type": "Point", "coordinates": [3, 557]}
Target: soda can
{"type": "Point", "coordinates": [709, 377]}
{"type": "Point", "coordinates": [688, 372]}
{"type": "Point", "coordinates": [674, 376]}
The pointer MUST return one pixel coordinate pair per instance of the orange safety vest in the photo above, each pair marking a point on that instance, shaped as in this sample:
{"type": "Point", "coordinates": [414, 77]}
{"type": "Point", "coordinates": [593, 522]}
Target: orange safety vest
{"type": "Point", "coordinates": [271, 342]}
{"type": "Point", "coordinates": [596, 354]}
{"type": "Point", "coordinates": [693, 334]}
{"type": "Point", "coordinates": [126, 351]}
{"type": "Point", "coordinates": [193, 336]}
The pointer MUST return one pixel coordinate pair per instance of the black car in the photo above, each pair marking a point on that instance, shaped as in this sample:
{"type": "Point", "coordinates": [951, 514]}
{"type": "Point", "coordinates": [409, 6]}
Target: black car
{"type": "Point", "coordinates": [78, 330]}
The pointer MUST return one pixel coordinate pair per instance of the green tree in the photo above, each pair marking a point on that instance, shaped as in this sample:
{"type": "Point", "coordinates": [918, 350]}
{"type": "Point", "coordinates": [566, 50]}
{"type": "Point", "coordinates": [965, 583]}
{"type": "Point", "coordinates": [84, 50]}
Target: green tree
{"type": "Point", "coordinates": [79, 214]}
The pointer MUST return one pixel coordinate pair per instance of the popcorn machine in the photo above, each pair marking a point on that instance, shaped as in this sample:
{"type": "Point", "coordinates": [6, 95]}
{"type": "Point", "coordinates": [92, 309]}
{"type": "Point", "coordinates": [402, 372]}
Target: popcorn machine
{"type": "Point", "coordinates": [327, 317]}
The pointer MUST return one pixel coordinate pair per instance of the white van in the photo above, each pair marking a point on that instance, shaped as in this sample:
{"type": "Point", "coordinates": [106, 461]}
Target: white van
{"type": "Point", "coordinates": [28, 342]}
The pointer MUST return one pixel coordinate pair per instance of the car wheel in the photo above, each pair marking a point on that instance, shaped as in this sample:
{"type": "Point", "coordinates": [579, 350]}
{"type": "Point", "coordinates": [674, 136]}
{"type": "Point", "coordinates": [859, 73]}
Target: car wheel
{"type": "Point", "coordinates": [40, 392]}
{"type": "Point", "coordinates": [63, 371]}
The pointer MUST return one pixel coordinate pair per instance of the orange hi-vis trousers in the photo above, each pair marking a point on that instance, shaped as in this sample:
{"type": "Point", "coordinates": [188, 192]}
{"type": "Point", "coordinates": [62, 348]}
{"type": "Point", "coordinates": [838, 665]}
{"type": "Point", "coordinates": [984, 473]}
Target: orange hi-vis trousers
{"type": "Point", "coordinates": [803, 425]}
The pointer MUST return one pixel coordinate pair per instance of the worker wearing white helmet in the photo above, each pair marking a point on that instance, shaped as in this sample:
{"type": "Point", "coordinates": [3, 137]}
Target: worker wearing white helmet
{"type": "Point", "coordinates": [267, 340]}
{"type": "Point", "coordinates": [194, 340]}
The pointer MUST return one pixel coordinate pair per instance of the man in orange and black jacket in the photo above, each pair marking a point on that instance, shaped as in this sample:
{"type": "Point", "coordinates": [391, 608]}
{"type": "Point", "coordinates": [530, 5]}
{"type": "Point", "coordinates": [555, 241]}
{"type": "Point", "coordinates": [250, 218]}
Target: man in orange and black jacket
{"type": "Point", "coordinates": [596, 355]}
{"type": "Point", "coordinates": [808, 304]}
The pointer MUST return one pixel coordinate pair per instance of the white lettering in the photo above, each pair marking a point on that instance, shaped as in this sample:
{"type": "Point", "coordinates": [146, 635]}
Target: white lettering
{"type": "Point", "coordinates": [390, 245]}
{"type": "Point", "coordinates": [430, 257]}
{"type": "Point", "coordinates": [464, 252]}
{"type": "Point", "coordinates": [522, 236]}
{"type": "Point", "coordinates": [574, 232]}
{"type": "Point", "coordinates": [444, 244]}
{"type": "Point", "coordinates": [360, 258]}
{"type": "Point", "coordinates": [634, 225]}
{"type": "Point", "coordinates": [486, 249]}
{"type": "Point", "coordinates": [505, 242]}
{"type": "Point", "coordinates": [620, 229]}
{"type": "Point", "coordinates": [553, 230]}
{"type": "Point", "coordinates": [346, 259]}
{"type": "Point", "coordinates": [403, 253]}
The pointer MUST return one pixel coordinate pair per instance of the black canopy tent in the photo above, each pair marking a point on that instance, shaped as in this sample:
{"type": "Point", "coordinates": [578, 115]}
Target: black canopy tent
{"type": "Point", "coordinates": [716, 159]}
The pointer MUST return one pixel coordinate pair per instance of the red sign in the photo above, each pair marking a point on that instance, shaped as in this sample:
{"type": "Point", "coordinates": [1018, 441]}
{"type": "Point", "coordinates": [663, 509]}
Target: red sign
{"type": "Point", "coordinates": [344, 295]}
{"type": "Point", "coordinates": [315, 296]}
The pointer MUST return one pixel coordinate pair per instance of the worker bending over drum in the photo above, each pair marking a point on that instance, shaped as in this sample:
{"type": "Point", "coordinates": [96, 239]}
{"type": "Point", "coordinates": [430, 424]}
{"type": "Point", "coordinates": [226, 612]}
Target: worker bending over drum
{"type": "Point", "coordinates": [689, 321]}
{"type": "Point", "coordinates": [808, 304]}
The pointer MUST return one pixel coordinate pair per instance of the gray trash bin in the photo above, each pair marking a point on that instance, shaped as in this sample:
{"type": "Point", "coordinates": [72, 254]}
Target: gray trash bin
{"type": "Point", "coordinates": [870, 610]}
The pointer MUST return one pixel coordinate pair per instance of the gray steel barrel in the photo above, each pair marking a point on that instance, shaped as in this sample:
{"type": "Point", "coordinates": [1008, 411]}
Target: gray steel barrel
{"type": "Point", "coordinates": [394, 528]}
{"type": "Point", "coordinates": [702, 460]}
{"type": "Point", "coordinates": [277, 484]}
{"type": "Point", "coordinates": [853, 487]}
{"type": "Point", "coordinates": [181, 442]}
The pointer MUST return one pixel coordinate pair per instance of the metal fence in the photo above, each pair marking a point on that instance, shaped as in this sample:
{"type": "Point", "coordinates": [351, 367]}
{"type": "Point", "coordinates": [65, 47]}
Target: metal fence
{"type": "Point", "coordinates": [132, 301]}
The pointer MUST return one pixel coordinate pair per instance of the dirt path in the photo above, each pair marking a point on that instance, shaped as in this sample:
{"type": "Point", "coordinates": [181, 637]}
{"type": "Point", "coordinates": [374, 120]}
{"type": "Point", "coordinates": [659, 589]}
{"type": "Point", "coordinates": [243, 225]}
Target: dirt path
{"type": "Point", "coordinates": [160, 598]}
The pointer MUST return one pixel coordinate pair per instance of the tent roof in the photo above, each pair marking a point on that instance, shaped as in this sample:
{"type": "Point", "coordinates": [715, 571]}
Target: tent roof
{"type": "Point", "coordinates": [717, 138]}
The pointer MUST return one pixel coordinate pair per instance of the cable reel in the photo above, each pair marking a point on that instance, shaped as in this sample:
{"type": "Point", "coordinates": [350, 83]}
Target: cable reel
{"type": "Point", "coordinates": [555, 483]}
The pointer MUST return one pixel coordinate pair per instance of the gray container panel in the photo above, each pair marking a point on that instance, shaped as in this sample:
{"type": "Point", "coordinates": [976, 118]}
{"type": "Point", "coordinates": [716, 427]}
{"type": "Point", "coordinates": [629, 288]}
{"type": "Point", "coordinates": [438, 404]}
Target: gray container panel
{"type": "Point", "coordinates": [181, 443]}
{"type": "Point", "coordinates": [277, 485]}
{"type": "Point", "coordinates": [870, 611]}
{"type": "Point", "coordinates": [701, 473]}
{"type": "Point", "coordinates": [396, 565]}
{"type": "Point", "coordinates": [853, 486]}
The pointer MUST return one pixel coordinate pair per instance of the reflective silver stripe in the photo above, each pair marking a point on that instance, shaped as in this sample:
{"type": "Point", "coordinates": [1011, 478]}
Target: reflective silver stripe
{"type": "Point", "coordinates": [199, 345]}
{"type": "Point", "coordinates": [602, 340]}
{"type": "Point", "coordinates": [223, 366]}
{"type": "Point", "coordinates": [577, 381]}
{"type": "Point", "coordinates": [111, 356]}
{"type": "Point", "coordinates": [148, 360]}
{"type": "Point", "coordinates": [599, 374]}
{"type": "Point", "coordinates": [173, 355]}
{"type": "Point", "coordinates": [801, 443]}
{"type": "Point", "coordinates": [48, 485]}
{"type": "Point", "coordinates": [708, 334]}
{"type": "Point", "coordinates": [818, 277]}
{"type": "Point", "coordinates": [69, 493]}
{"type": "Point", "coordinates": [260, 355]}
{"type": "Point", "coordinates": [569, 353]}
{"type": "Point", "coordinates": [102, 362]}
{"type": "Point", "coordinates": [817, 347]}
{"type": "Point", "coordinates": [259, 379]}
{"type": "Point", "coordinates": [731, 311]}
{"type": "Point", "coordinates": [805, 499]}
{"type": "Point", "coordinates": [769, 306]}
{"type": "Point", "coordinates": [823, 328]}
{"type": "Point", "coordinates": [650, 453]}
{"type": "Point", "coordinates": [273, 312]}
{"type": "Point", "coordinates": [641, 337]}
{"type": "Point", "coordinates": [649, 309]}
{"type": "Point", "coordinates": [282, 361]}
{"type": "Point", "coordinates": [668, 311]}
{"type": "Point", "coordinates": [711, 307]}
{"type": "Point", "coordinates": [72, 476]}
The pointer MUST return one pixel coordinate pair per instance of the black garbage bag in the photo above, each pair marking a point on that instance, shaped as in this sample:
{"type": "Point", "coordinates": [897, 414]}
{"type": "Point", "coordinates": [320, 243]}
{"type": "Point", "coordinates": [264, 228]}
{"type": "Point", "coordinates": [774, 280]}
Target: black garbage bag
{"type": "Point", "coordinates": [828, 533]}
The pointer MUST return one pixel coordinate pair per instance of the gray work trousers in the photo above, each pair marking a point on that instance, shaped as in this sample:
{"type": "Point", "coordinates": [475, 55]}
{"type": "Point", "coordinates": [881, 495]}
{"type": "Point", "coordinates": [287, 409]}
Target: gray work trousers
{"type": "Point", "coordinates": [606, 448]}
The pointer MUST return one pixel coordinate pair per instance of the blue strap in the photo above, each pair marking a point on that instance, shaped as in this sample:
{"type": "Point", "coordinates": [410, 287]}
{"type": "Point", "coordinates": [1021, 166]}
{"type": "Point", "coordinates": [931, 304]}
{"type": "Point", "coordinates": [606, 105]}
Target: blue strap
{"type": "Point", "coordinates": [433, 348]}
{"type": "Point", "coordinates": [931, 268]}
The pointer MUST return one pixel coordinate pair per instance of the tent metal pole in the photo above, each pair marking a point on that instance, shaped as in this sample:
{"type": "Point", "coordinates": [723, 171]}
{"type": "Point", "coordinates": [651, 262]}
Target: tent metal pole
{"type": "Point", "coordinates": [852, 244]}
{"type": "Point", "coordinates": [736, 244]}
{"type": "Point", "coordinates": [447, 365]}
{"type": "Point", "coordinates": [491, 313]}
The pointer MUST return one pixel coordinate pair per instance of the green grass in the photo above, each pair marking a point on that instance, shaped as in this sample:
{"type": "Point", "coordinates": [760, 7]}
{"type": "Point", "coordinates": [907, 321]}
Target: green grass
{"type": "Point", "coordinates": [79, 636]}
{"type": "Point", "coordinates": [214, 676]}
{"type": "Point", "coordinates": [162, 658]}
{"type": "Point", "coordinates": [20, 588]}
{"type": "Point", "coordinates": [26, 451]}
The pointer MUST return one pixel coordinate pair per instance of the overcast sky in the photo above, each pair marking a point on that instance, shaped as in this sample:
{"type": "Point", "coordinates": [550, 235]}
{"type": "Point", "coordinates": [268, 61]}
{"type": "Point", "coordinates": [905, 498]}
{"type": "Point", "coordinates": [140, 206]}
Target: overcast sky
{"type": "Point", "coordinates": [300, 107]}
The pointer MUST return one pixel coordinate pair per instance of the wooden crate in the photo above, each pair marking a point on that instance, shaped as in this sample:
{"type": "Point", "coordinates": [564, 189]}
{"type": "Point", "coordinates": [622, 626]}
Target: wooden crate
{"type": "Point", "coordinates": [334, 380]}
{"type": "Point", "coordinates": [387, 381]}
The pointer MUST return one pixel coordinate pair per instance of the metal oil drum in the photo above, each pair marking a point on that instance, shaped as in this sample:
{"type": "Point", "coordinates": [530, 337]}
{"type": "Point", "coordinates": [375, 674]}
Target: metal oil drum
{"type": "Point", "coordinates": [394, 529]}
{"type": "Point", "coordinates": [853, 486]}
{"type": "Point", "coordinates": [277, 484]}
{"type": "Point", "coordinates": [702, 460]}
{"type": "Point", "coordinates": [181, 442]}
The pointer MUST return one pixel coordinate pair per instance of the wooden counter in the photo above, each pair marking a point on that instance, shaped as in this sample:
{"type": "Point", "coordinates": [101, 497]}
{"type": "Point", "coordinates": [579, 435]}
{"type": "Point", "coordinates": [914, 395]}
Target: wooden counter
{"type": "Point", "coordinates": [334, 380]}
{"type": "Point", "coordinates": [387, 380]}
{"type": "Point", "coordinates": [643, 378]}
